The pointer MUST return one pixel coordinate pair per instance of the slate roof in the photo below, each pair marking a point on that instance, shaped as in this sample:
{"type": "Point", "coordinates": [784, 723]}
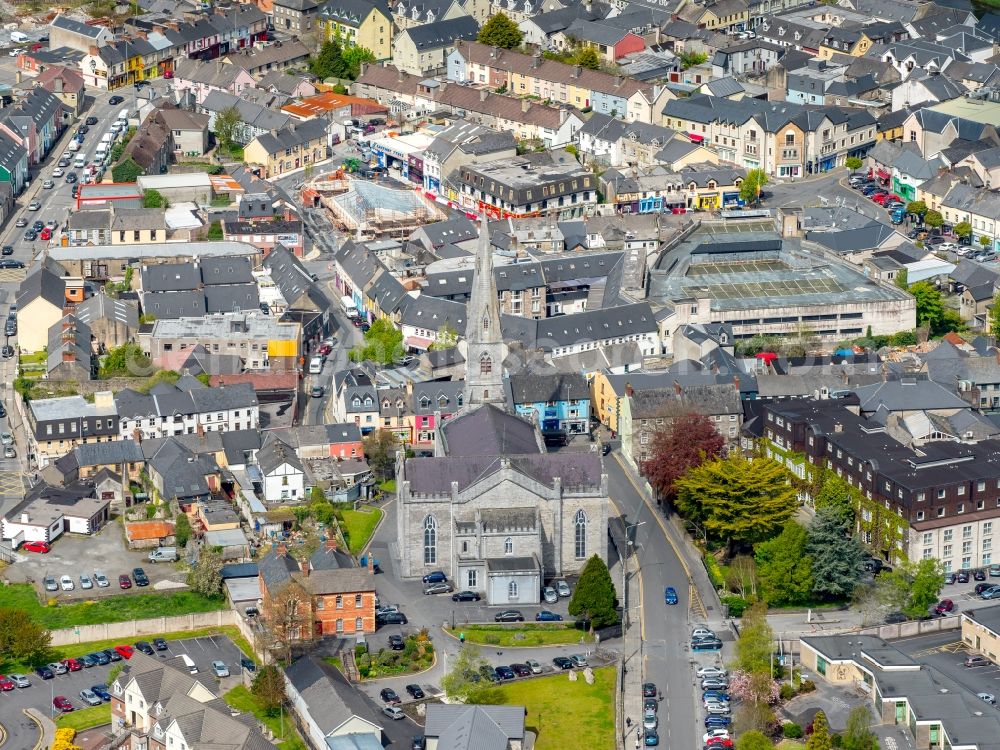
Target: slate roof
{"type": "Point", "coordinates": [274, 453]}
{"type": "Point", "coordinates": [461, 727]}
{"type": "Point", "coordinates": [530, 388]}
{"type": "Point", "coordinates": [77, 27]}
{"type": "Point", "coordinates": [436, 475]}
{"type": "Point", "coordinates": [332, 700]}
{"type": "Point", "coordinates": [908, 394]}
{"type": "Point", "coordinates": [292, 135]}
{"type": "Point", "coordinates": [489, 431]}
{"type": "Point", "coordinates": [772, 116]}
{"type": "Point", "coordinates": [44, 284]}
{"type": "Point", "coordinates": [442, 33]}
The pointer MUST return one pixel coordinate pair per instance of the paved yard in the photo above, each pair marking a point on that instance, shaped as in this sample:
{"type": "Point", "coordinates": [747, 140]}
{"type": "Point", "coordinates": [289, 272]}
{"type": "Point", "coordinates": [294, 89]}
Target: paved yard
{"type": "Point", "coordinates": [105, 552]}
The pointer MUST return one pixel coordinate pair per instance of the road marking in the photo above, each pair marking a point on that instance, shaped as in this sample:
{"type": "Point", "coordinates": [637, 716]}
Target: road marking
{"type": "Point", "coordinates": [890, 743]}
{"type": "Point", "coordinates": [696, 607]}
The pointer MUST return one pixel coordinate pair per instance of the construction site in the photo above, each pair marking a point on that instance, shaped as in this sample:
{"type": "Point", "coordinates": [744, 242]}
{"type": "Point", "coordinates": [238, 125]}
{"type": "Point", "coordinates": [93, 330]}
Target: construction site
{"type": "Point", "coordinates": [368, 209]}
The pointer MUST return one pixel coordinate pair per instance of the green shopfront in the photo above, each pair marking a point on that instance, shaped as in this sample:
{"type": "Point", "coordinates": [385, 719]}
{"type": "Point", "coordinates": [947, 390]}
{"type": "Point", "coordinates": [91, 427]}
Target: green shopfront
{"type": "Point", "coordinates": [904, 189]}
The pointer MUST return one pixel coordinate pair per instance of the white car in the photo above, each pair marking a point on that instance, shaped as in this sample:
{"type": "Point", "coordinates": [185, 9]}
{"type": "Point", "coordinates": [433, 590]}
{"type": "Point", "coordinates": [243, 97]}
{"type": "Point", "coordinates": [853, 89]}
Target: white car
{"type": "Point", "coordinates": [66, 583]}
{"type": "Point", "coordinates": [704, 672]}
{"type": "Point", "coordinates": [716, 733]}
{"type": "Point", "coordinates": [649, 719]}
{"type": "Point", "coordinates": [948, 247]}
{"type": "Point", "coordinates": [562, 588]}
{"type": "Point", "coordinates": [6, 438]}
{"type": "Point", "coordinates": [702, 633]}
{"type": "Point", "coordinates": [393, 712]}
{"type": "Point", "coordinates": [534, 666]}
{"type": "Point", "coordinates": [58, 172]}
{"type": "Point", "coordinates": [987, 698]}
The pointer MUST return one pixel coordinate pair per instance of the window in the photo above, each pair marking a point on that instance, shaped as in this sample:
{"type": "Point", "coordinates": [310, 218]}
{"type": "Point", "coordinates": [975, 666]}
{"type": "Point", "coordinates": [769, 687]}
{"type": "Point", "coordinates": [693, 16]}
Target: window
{"type": "Point", "coordinates": [948, 534]}
{"type": "Point", "coordinates": [967, 532]}
{"type": "Point", "coordinates": [430, 540]}
{"type": "Point", "coordinates": [465, 546]}
{"type": "Point", "coordinates": [580, 535]}
{"type": "Point", "coordinates": [508, 546]}
{"type": "Point", "coordinates": [357, 600]}
{"type": "Point", "coordinates": [987, 527]}
{"type": "Point", "coordinates": [512, 590]}
{"type": "Point", "coordinates": [340, 602]}
{"type": "Point", "coordinates": [359, 624]}
{"type": "Point", "coordinates": [485, 364]}
{"type": "Point", "coordinates": [472, 578]}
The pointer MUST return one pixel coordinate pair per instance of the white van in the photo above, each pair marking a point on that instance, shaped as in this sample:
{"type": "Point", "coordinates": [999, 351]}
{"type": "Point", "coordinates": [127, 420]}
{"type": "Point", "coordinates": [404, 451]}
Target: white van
{"type": "Point", "coordinates": [18, 37]}
{"type": "Point", "coordinates": [102, 149]}
{"type": "Point", "coordinates": [74, 146]}
{"type": "Point", "coordinates": [80, 162]}
{"type": "Point", "coordinates": [188, 663]}
{"type": "Point", "coordinates": [107, 137]}
{"type": "Point", "coordinates": [315, 365]}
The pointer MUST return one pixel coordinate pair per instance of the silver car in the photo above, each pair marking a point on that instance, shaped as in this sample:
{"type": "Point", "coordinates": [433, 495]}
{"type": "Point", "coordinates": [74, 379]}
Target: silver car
{"type": "Point", "coordinates": [562, 588]}
{"type": "Point", "coordinates": [58, 668]}
{"type": "Point", "coordinates": [549, 595]}
{"type": "Point", "coordinates": [701, 633]}
{"type": "Point", "coordinates": [705, 672]}
{"type": "Point", "coordinates": [649, 719]}
{"type": "Point", "coordinates": [20, 680]}
{"type": "Point", "coordinates": [85, 582]}
{"type": "Point", "coordinates": [101, 580]}
{"type": "Point", "coordinates": [220, 669]}
{"type": "Point", "coordinates": [90, 698]}
{"type": "Point", "coordinates": [51, 584]}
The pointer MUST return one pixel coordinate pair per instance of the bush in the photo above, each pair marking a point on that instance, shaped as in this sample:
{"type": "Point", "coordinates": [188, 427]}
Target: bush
{"type": "Point", "coordinates": [836, 739]}
{"type": "Point", "coordinates": [791, 730]}
{"type": "Point", "coordinates": [787, 692]}
{"type": "Point", "coordinates": [360, 650]}
{"type": "Point", "coordinates": [807, 686]}
{"type": "Point", "coordinates": [714, 571]}
{"type": "Point", "coordinates": [737, 605]}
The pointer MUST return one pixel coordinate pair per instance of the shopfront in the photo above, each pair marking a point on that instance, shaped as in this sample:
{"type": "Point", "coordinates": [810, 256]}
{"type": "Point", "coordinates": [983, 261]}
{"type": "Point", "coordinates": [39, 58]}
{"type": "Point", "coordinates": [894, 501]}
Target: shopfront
{"type": "Point", "coordinates": [416, 169]}
{"type": "Point", "coordinates": [903, 189]}
{"type": "Point", "coordinates": [708, 201]}
{"type": "Point", "coordinates": [732, 200]}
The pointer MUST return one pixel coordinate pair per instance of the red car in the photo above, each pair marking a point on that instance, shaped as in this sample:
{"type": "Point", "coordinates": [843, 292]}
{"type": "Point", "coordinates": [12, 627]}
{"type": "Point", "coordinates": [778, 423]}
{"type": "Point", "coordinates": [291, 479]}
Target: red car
{"type": "Point", "coordinates": [124, 582]}
{"type": "Point", "coordinates": [6, 683]}
{"type": "Point", "coordinates": [72, 665]}
{"type": "Point", "coordinates": [46, 234]}
{"type": "Point", "coordinates": [125, 651]}
{"type": "Point", "coordinates": [325, 349]}
{"type": "Point", "coordinates": [944, 607]}
{"type": "Point", "coordinates": [42, 547]}
{"type": "Point", "coordinates": [720, 742]}
{"type": "Point", "coordinates": [61, 702]}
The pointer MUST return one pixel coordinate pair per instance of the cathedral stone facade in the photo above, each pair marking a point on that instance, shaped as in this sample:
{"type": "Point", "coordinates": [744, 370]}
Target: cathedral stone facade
{"type": "Point", "coordinates": [492, 509]}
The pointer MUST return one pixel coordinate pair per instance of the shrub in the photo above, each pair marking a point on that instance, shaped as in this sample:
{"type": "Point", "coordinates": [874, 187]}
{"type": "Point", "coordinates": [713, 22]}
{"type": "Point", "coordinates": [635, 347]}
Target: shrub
{"type": "Point", "coordinates": [360, 649]}
{"type": "Point", "coordinates": [791, 730]}
{"type": "Point", "coordinates": [836, 739]}
{"type": "Point", "coordinates": [492, 639]}
{"type": "Point", "coordinates": [737, 605]}
{"type": "Point", "coordinates": [807, 686]}
{"type": "Point", "coordinates": [787, 692]}
{"type": "Point", "coordinates": [714, 571]}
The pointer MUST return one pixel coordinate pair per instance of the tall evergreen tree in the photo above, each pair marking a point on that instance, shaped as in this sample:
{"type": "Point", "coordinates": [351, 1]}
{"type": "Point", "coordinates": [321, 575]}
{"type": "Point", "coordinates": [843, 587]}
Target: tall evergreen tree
{"type": "Point", "coordinates": [836, 556]}
{"type": "Point", "coordinates": [783, 567]}
{"type": "Point", "coordinates": [837, 494]}
{"type": "Point", "coordinates": [820, 737]}
{"type": "Point", "coordinates": [594, 598]}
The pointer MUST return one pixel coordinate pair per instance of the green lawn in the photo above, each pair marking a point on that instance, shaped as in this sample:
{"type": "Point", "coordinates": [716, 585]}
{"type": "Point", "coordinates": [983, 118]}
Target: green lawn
{"type": "Point", "coordinates": [242, 700]}
{"type": "Point", "coordinates": [522, 634]}
{"type": "Point", "coordinates": [37, 358]}
{"type": "Point", "coordinates": [58, 653]}
{"type": "Point", "coordinates": [389, 485]}
{"type": "Point", "coordinates": [567, 714]}
{"type": "Point", "coordinates": [85, 718]}
{"type": "Point", "coordinates": [335, 662]}
{"type": "Point", "coordinates": [108, 609]}
{"type": "Point", "coordinates": [358, 527]}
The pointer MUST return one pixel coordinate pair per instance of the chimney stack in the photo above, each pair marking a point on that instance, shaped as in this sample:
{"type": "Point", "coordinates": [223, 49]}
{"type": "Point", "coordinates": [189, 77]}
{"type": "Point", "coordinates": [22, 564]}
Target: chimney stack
{"type": "Point", "coordinates": [371, 562]}
{"type": "Point", "coordinates": [281, 550]}
{"type": "Point", "coordinates": [628, 390]}
{"type": "Point", "coordinates": [483, 93]}
{"type": "Point", "coordinates": [736, 382]}
{"type": "Point", "coordinates": [330, 545]}
{"type": "Point", "coordinates": [525, 105]}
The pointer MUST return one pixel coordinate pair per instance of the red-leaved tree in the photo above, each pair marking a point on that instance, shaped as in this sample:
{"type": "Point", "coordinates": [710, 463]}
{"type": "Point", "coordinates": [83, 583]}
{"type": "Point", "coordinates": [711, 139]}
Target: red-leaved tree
{"type": "Point", "coordinates": [686, 441]}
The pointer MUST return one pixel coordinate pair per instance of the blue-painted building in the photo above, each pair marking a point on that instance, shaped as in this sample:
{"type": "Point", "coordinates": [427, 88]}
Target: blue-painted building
{"type": "Point", "coordinates": [560, 401]}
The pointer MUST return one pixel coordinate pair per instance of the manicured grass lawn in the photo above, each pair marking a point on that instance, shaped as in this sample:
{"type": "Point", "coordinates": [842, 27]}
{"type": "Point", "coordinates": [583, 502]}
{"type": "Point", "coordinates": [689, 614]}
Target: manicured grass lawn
{"type": "Point", "coordinates": [389, 485]}
{"type": "Point", "coordinates": [522, 634]}
{"type": "Point", "coordinates": [359, 525]}
{"type": "Point", "coordinates": [335, 662]}
{"type": "Point", "coordinates": [58, 653]}
{"type": "Point", "coordinates": [242, 700]}
{"type": "Point", "coordinates": [791, 745]}
{"type": "Point", "coordinates": [108, 609]}
{"type": "Point", "coordinates": [85, 718]}
{"type": "Point", "coordinates": [567, 714]}
{"type": "Point", "coordinates": [37, 358]}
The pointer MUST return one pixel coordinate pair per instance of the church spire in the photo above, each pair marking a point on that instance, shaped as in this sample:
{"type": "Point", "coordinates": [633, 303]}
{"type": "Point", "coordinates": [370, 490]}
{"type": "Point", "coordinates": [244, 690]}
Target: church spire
{"type": "Point", "coordinates": [484, 347]}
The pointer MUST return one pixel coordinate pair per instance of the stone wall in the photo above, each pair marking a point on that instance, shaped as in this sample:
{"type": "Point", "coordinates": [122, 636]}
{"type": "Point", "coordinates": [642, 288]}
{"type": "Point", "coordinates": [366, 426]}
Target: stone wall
{"type": "Point", "coordinates": [132, 629]}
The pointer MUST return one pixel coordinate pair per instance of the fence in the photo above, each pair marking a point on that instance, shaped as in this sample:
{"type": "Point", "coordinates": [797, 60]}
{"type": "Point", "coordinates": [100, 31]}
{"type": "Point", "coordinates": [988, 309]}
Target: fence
{"type": "Point", "coordinates": [153, 626]}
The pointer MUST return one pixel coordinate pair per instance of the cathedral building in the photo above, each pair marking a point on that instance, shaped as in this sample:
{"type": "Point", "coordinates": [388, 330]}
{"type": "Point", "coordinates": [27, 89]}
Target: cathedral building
{"type": "Point", "coordinates": [492, 508]}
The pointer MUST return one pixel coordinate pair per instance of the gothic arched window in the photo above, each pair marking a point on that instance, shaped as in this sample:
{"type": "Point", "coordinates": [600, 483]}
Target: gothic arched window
{"type": "Point", "coordinates": [580, 526]}
{"type": "Point", "coordinates": [486, 322]}
{"type": "Point", "coordinates": [430, 541]}
{"type": "Point", "coordinates": [485, 364]}
{"type": "Point", "coordinates": [512, 590]}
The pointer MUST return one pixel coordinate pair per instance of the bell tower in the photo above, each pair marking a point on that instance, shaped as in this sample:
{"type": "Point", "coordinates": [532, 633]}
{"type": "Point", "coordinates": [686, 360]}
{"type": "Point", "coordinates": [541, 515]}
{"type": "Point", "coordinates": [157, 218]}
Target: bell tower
{"type": "Point", "coordinates": [484, 347]}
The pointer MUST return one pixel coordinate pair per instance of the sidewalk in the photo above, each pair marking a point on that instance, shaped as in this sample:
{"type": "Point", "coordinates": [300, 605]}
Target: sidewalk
{"type": "Point", "coordinates": [631, 683]}
{"type": "Point", "coordinates": [47, 733]}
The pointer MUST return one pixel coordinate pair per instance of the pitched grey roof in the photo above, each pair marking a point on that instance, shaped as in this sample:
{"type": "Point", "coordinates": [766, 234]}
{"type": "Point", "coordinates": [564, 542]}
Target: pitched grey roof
{"type": "Point", "coordinates": [274, 453]}
{"type": "Point", "coordinates": [529, 387]}
{"type": "Point", "coordinates": [332, 700]}
{"type": "Point", "coordinates": [42, 283]}
{"type": "Point", "coordinates": [436, 475]}
{"type": "Point", "coordinates": [169, 305]}
{"type": "Point", "coordinates": [489, 431]}
{"type": "Point", "coordinates": [908, 394]}
{"type": "Point", "coordinates": [292, 135]}
{"type": "Point", "coordinates": [231, 298]}
{"type": "Point", "coordinates": [459, 727]}
{"type": "Point", "coordinates": [442, 33]}
{"type": "Point", "coordinates": [170, 277]}
{"type": "Point", "coordinates": [226, 269]}
{"type": "Point", "coordinates": [77, 27]}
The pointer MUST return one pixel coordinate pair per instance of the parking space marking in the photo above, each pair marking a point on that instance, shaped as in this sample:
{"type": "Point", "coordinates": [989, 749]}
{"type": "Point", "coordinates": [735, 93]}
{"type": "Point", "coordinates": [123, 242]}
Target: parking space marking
{"type": "Point", "coordinates": [947, 648]}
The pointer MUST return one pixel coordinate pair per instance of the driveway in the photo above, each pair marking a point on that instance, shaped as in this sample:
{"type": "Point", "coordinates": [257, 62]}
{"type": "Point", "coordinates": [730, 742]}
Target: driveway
{"type": "Point", "coordinates": [105, 552]}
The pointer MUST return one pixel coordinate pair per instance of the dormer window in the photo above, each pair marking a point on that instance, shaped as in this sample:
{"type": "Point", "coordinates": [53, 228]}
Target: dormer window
{"type": "Point", "coordinates": [442, 401]}
{"type": "Point", "coordinates": [357, 401]}
{"type": "Point", "coordinates": [424, 402]}
{"type": "Point", "coordinates": [368, 401]}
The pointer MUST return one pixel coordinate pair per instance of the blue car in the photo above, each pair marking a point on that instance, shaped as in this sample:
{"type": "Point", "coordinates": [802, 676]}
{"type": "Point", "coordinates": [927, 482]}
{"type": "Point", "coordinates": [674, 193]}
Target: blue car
{"type": "Point", "coordinates": [101, 692]}
{"type": "Point", "coordinates": [717, 695]}
{"type": "Point", "coordinates": [435, 576]}
{"type": "Point", "coordinates": [547, 616]}
{"type": "Point", "coordinates": [651, 739]}
{"type": "Point", "coordinates": [100, 657]}
{"type": "Point", "coordinates": [670, 595]}
{"type": "Point", "coordinates": [715, 721]}
{"type": "Point", "coordinates": [88, 661]}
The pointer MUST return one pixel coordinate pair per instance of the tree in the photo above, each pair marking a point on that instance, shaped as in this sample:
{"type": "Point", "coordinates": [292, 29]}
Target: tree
{"type": "Point", "coordinates": [912, 587]}
{"type": "Point", "coordinates": [127, 360]}
{"type": "Point", "coordinates": [352, 57]}
{"type": "Point", "coordinates": [329, 63]}
{"type": "Point", "coordinates": [383, 344]}
{"type": "Point", "coordinates": [588, 58]}
{"type": "Point", "coordinates": [783, 567]}
{"type": "Point", "coordinates": [205, 577]}
{"type": "Point", "coordinates": [754, 717]}
{"type": "Point", "coordinates": [903, 279]}
{"type": "Point", "coordinates": [686, 441]}
{"type": "Point", "coordinates": [269, 689]}
{"type": "Point", "coordinates": [820, 737]}
{"type": "Point", "coordinates": [501, 32]}
{"type": "Point", "coordinates": [126, 171]}
{"type": "Point", "coordinates": [753, 648]}
{"type": "Point", "coordinates": [288, 617]}
{"type": "Point", "coordinates": [985, 241]}
{"type": "Point", "coordinates": [994, 315]}
{"type": "Point", "coordinates": [754, 739]}
{"type": "Point", "coordinates": [742, 576]}
{"type": "Point", "coordinates": [153, 199]}
{"type": "Point", "coordinates": [380, 450]}
{"type": "Point", "coordinates": [447, 338]}
{"type": "Point", "coordinates": [930, 305]}
{"type": "Point", "coordinates": [690, 59]}
{"type": "Point", "coordinates": [594, 598]}
{"type": "Point", "coordinates": [918, 208]}
{"type": "Point", "coordinates": [963, 229]}
{"type": "Point", "coordinates": [752, 185]}
{"type": "Point", "coordinates": [838, 495]}
{"type": "Point", "coordinates": [853, 163]}
{"type": "Point", "coordinates": [738, 500]}
{"type": "Point", "coordinates": [836, 556]}
{"type": "Point", "coordinates": [462, 681]}
{"type": "Point", "coordinates": [215, 231]}
{"type": "Point", "coordinates": [858, 734]}
{"type": "Point", "coordinates": [21, 638]}
{"type": "Point", "coordinates": [933, 219]}
{"type": "Point", "coordinates": [227, 122]}
{"type": "Point", "coordinates": [182, 530]}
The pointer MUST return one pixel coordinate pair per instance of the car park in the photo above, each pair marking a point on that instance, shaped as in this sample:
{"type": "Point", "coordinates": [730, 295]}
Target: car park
{"type": "Point", "coordinates": [388, 695]}
{"type": "Point", "coordinates": [85, 582]}
{"type": "Point", "coordinates": [220, 669]}
{"type": "Point", "coordinates": [90, 698]}
{"type": "Point", "coordinates": [101, 580]}
{"type": "Point", "coordinates": [465, 596]}
{"type": "Point", "coordinates": [141, 579]}
{"type": "Point", "coordinates": [505, 673]}
{"type": "Point", "coordinates": [562, 588]}
{"type": "Point", "coordinates": [547, 616]}
{"type": "Point", "coordinates": [40, 547]}
{"type": "Point", "coordinates": [509, 615]}
{"type": "Point", "coordinates": [438, 588]}
{"type": "Point", "coordinates": [393, 712]}
{"type": "Point", "coordinates": [415, 692]}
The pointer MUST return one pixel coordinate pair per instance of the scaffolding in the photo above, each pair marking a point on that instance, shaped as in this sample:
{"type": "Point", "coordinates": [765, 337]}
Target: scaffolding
{"type": "Point", "coordinates": [371, 210]}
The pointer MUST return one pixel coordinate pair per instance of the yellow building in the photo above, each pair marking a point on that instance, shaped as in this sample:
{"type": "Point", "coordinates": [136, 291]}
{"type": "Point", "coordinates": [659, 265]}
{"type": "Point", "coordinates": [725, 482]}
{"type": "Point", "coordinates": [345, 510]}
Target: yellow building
{"type": "Point", "coordinates": [844, 42]}
{"type": "Point", "coordinates": [358, 23]}
{"type": "Point", "coordinates": [290, 149]}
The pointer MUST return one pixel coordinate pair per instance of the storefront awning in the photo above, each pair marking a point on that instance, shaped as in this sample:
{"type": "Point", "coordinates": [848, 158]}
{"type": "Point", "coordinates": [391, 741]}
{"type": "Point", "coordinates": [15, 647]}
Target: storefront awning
{"type": "Point", "coordinates": [417, 342]}
{"type": "Point", "coordinates": [695, 138]}
{"type": "Point", "coordinates": [883, 175]}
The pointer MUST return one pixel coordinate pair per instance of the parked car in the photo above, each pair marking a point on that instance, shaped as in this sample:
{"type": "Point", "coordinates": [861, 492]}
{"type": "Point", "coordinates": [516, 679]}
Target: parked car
{"type": "Point", "coordinates": [72, 665]}
{"type": "Point", "coordinates": [505, 673]}
{"type": "Point", "coordinates": [435, 576]}
{"type": "Point", "coordinates": [391, 618]}
{"type": "Point", "coordinates": [987, 698]}
{"type": "Point", "coordinates": [115, 100]}
{"type": "Point", "coordinates": [45, 673]}
{"type": "Point", "coordinates": [40, 547]}
{"type": "Point", "coordinates": [981, 587]}
{"type": "Point", "coordinates": [6, 684]}
{"type": "Point", "coordinates": [112, 654]}
{"type": "Point", "coordinates": [19, 680]}
{"type": "Point", "coordinates": [101, 580]}
{"type": "Point", "coordinates": [709, 644]}
{"type": "Point", "coordinates": [415, 692]}
{"type": "Point", "coordinates": [579, 660]}
{"type": "Point", "coordinates": [976, 661]}
{"type": "Point", "coordinates": [534, 666]}
{"type": "Point", "coordinates": [438, 588]}
{"type": "Point", "coordinates": [101, 692]}
{"type": "Point", "coordinates": [549, 595]}
{"type": "Point", "coordinates": [220, 669]}
{"type": "Point", "coordinates": [993, 592]}
{"type": "Point", "coordinates": [521, 670]}
{"type": "Point", "coordinates": [88, 661]}
{"type": "Point", "coordinates": [465, 596]}
{"type": "Point", "coordinates": [393, 712]}
{"type": "Point", "coordinates": [488, 673]}
{"type": "Point", "coordinates": [141, 579]}
{"type": "Point", "coordinates": [101, 658]}
{"type": "Point", "coordinates": [125, 651]}
{"type": "Point", "coordinates": [715, 721]}
{"type": "Point", "coordinates": [388, 695]}
{"type": "Point", "coordinates": [509, 615]}
{"type": "Point", "coordinates": [50, 583]}
{"type": "Point", "coordinates": [650, 738]}
{"type": "Point", "coordinates": [944, 607]}
{"type": "Point", "coordinates": [124, 582]}
{"type": "Point", "coordinates": [711, 672]}
{"type": "Point", "coordinates": [962, 576]}
{"type": "Point", "coordinates": [159, 644]}
{"type": "Point", "coordinates": [561, 662]}
{"type": "Point", "coordinates": [396, 642]}
{"type": "Point", "coordinates": [995, 570]}
{"type": "Point", "coordinates": [702, 633]}
{"type": "Point", "coordinates": [61, 703]}
{"type": "Point", "coordinates": [547, 616]}
{"type": "Point", "coordinates": [713, 733]}
{"type": "Point", "coordinates": [649, 690]}
{"type": "Point", "coordinates": [649, 719]}
{"type": "Point", "coordinates": [714, 683]}
{"type": "Point", "coordinates": [66, 583]}
{"type": "Point", "coordinates": [247, 664]}
{"type": "Point", "coordinates": [90, 697]}
{"type": "Point", "coordinates": [894, 618]}
{"type": "Point", "coordinates": [144, 647]}
{"type": "Point", "coordinates": [562, 588]}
